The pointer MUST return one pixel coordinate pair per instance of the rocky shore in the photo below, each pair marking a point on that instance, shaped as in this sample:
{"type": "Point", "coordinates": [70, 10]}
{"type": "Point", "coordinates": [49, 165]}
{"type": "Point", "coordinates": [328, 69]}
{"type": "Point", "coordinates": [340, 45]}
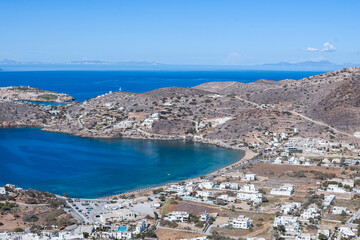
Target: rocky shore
{"type": "Point", "coordinates": [33, 94]}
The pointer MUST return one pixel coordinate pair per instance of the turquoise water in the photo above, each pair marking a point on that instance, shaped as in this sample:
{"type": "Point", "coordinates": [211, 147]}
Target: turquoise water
{"type": "Point", "coordinates": [84, 167]}
{"type": "Point", "coordinates": [121, 229]}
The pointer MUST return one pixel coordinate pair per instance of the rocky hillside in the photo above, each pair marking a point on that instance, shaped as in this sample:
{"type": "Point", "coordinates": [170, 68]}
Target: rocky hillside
{"type": "Point", "coordinates": [14, 114]}
{"type": "Point", "coordinates": [33, 94]}
{"type": "Point", "coordinates": [332, 98]}
{"type": "Point", "coordinates": [226, 113]}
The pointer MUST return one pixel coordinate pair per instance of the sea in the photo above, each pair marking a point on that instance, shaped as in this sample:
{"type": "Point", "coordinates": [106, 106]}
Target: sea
{"type": "Point", "coordinates": [91, 168]}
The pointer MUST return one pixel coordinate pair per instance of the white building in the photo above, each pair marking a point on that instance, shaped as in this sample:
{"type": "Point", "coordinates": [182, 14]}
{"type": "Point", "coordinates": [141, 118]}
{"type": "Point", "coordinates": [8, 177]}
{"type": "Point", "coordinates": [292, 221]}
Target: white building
{"type": "Point", "coordinates": [204, 217]}
{"type": "Point", "coordinates": [226, 198]}
{"type": "Point", "coordinates": [336, 210]}
{"type": "Point", "coordinates": [254, 197]}
{"type": "Point", "coordinates": [204, 194]}
{"type": "Point", "coordinates": [285, 190]}
{"type": "Point", "coordinates": [119, 215]}
{"type": "Point", "coordinates": [241, 222]}
{"type": "Point", "coordinates": [229, 185]}
{"type": "Point", "coordinates": [288, 208]}
{"type": "Point", "coordinates": [178, 189]}
{"type": "Point", "coordinates": [284, 220]}
{"type": "Point", "coordinates": [335, 189]}
{"type": "Point", "coordinates": [249, 177]}
{"type": "Point", "coordinates": [148, 122]}
{"type": "Point", "coordinates": [249, 188]}
{"type": "Point", "coordinates": [206, 185]}
{"type": "Point", "coordinates": [328, 200]}
{"type": "Point", "coordinates": [278, 160]}
{"type": "Point", "coordinates": [191, 187]}
{"type": "Point", "coordinates": [310, 212]}
{"type": "Point", "coordinates": [141, 226]}
{"type": "Point", "coordinates": [347, 232]}
{"type": "Point", "coordinates": [292, 229]}
{"type": "Point", "coordinates": [2, 190]}
{"type": "Point", "coordinates": [177, 216]}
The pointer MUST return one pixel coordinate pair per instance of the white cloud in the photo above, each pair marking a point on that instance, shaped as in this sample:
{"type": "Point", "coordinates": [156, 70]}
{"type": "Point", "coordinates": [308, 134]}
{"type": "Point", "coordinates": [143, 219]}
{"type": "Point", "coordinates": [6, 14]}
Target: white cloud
{"type": "Point", "coordinates": [310, 49]}
{"type": "Point", "coordinates": [234, 55]}
{"type": "Point", "coordinates": [327, 47]}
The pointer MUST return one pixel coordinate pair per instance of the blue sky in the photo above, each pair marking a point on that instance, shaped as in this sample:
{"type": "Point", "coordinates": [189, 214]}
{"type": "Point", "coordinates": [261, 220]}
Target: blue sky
{"type": "Point", "coordinates": [180, 32]}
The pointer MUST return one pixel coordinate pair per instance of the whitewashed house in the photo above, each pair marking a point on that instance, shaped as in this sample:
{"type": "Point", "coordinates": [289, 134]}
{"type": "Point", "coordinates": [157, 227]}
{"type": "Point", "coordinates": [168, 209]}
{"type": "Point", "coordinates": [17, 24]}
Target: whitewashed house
{"type": "Point", "coordinates": [336, 210]}
{"type": "Point", "coordinates": [285, 190]}
{"type": "Point", "coordinates": [204, 194]}
{"type": "Point", "coordinates": [292, 229]}
{"type": "Point", "coordinates": [284, 220]}
{"type": "Point", "coordinates": [177, 216]}
{"type": "Point", "coordinates": [249, 188]}
{"type": "Point", "coordinates": [347, 232]}
{"type": "Point", "coordinates": [288, 208]}
{"type": "Point", "coordinates": [178, 189]}
{"type": "Point", "coordinates": [206, 185]}
{"type": "Point", "coordinates": [119, 215]}
{"type": "Point", "coordinates": [310, 212]}
{"type": "Point", "coordinates": [229, 185]}
{"type": "Point", "coordinates": [328, 200]}
{"type": "Point", "coordinates": [335, 189]}
{"type": "Point", "coordinates": [253, 197]}
{"type": "Point", "coordinates": [226, 198]}
{"type": "Point", "coordinates": [204, 217]}
{"type": "Point", "coordinates": [141, 226]}
{"type": "Point", "coordinates": [249, 177]}
{"type": "Point", "coordinates": [278, 160]}
{"type": "Point", "coordinates": [241, 222]}
{"type": "Point", "coordinates": [2, 190]}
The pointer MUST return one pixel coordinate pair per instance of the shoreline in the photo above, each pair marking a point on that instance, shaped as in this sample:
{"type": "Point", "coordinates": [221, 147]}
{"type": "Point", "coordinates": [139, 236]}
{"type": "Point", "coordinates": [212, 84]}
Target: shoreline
{"type": "Point", "coordinates": [248, 155]}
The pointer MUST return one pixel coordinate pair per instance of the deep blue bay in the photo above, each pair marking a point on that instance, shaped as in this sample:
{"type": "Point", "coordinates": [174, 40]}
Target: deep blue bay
{"type": "Point", "coordinates": [83, 167]}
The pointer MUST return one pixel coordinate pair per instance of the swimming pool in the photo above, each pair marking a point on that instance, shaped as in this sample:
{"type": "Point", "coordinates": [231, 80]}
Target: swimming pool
{"type": "Point", "coordinates": [121, 229]}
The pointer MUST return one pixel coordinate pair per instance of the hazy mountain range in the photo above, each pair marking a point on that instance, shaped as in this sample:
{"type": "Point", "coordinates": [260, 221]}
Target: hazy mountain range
{"type": "Point", "coordinates": [12, 65]}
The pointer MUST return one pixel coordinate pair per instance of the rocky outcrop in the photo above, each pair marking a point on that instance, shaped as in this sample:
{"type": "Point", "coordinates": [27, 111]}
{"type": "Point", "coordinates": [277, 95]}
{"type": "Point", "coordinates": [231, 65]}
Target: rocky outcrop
{"type": "Point", "coordinates": [33, 94]}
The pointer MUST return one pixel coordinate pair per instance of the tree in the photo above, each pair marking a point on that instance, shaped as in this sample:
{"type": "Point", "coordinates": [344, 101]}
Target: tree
{"type": "Point", "coordinates": [18, 229]}
{"type": "Point", "coordinates": [322, 237]}
{"type": "Point", "coordinates": [30, 218]}
{"type": "Point", "coordinates": [86, 234]}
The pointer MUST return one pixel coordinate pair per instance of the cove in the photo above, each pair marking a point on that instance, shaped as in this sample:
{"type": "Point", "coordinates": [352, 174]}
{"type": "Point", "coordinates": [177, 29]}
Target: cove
{"type": "Point", "coordinates": [90, 168]}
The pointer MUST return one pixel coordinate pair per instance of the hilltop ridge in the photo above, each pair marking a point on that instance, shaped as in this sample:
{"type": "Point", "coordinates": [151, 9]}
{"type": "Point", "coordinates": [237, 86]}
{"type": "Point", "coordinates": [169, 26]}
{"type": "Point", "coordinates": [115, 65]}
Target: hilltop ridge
{"type": "Point", "coordinates": [232, 114]}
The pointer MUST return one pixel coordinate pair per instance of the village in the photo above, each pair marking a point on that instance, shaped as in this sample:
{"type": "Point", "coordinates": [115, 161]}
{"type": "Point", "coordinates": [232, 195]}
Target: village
{"type": "Point", "coordinates": [294, 188]}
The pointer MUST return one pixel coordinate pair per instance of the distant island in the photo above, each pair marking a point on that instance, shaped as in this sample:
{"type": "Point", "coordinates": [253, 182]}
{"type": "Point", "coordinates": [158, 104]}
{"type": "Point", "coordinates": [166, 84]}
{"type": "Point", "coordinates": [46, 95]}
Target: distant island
{"type": "Point", "coordinates": [323, 65]}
